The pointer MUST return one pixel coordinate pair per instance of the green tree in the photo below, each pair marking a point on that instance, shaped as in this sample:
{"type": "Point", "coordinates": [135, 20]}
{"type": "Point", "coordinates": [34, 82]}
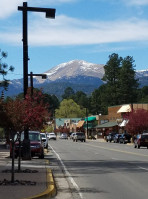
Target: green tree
{"type": "Point", "coordinates": [128, 84]}
{"type": "Point", "coordinates": [81, 99]}
{"type": "Point", "coordinates": [4, 69]}
{"type": "Point", "coordinates": [69, 109]}
{"type": "Point", "coordinates": [68, 93]}
{"type": "Point", "coordinates": [100, 100]}
{"type": "Point", "coordinates": [143, 95]}
{"type": "Point", "coordinates": [111, 77]}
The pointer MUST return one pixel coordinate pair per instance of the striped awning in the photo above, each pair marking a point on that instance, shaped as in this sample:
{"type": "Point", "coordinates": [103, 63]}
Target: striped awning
{"type": "Point", "coordinates": [80, 123]}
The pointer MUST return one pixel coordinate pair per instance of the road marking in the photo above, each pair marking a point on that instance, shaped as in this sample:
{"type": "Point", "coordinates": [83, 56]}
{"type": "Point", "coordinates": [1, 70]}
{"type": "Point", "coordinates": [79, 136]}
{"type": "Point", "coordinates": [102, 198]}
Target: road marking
{"type": "Point", "coordinates": [117, 150]}
{"type": "Point", "coordinates": [68, 174]}
{"type": "Point", "coordinates": [114, 158]}
{"type": "Point", "coordinates": [143, 168]}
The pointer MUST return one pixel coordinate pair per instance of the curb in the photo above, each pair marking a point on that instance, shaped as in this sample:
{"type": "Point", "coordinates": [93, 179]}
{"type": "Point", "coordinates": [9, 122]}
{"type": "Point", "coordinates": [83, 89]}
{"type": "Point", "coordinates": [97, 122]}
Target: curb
{"type": "Point", "coordinates": [51, 188]}
{"type": "Point", "coordinates": [50, 191]}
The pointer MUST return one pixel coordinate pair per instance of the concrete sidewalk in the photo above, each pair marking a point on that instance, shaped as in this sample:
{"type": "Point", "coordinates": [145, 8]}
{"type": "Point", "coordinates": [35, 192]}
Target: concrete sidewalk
{"type": "Point", "coordinates": [36, 176]}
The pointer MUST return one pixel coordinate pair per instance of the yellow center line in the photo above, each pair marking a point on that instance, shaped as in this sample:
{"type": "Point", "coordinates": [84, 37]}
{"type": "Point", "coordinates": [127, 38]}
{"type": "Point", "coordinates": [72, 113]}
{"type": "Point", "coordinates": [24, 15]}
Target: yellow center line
{"type": "Point", "coordinates": [117, 150]}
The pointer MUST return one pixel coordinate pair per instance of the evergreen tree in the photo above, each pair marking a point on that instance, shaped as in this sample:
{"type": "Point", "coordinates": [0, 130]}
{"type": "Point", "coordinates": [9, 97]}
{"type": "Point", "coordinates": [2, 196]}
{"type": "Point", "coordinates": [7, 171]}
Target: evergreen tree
{"type": "Point", "coordinates": [127, 82]}
{"type": "Point", "coordinates": [81, 99]}
{"type": "Point", "coordinates": [68, 93]}
{"type": "Point", "coordinates": [4, 69]}
{"type": "Point", "coordinates": [111, 77]}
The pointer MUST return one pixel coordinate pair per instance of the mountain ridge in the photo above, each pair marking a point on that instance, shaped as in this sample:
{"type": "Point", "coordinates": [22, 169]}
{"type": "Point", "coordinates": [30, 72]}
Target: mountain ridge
{"type": "Point", "coordinates": [78, 74]}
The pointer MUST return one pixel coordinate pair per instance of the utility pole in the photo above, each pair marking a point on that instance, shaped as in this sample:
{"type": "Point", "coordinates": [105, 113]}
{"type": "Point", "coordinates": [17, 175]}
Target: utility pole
{"type": "Point", "coordinates": [50, 13]}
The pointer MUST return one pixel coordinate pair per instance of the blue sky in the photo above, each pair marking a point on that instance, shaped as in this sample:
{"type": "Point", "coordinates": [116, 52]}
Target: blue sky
{"type": "Point", "coordinates": [89, 30]}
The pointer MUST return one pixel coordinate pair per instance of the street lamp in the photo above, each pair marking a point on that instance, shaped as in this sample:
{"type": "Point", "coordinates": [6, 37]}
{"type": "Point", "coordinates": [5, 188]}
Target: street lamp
{"type": "Point", "coordinates": [86, 123]}
{"type": "Point", "coordinates": [44, 76]}
{"type": "Point", "coordinates": [50, 13]}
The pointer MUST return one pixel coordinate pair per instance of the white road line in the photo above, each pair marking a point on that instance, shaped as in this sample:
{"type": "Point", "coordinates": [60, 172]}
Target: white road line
{"type": "Point", "coordinates": [114, 158]}
{"type": "Point", "coordinates": [69, 176]}
{"type": "Point", "coordinates": [143, 168]}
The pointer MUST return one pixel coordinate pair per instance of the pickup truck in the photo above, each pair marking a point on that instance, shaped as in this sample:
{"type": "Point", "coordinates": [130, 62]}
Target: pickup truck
{"type": "Point", "coordinates": [79, 136]}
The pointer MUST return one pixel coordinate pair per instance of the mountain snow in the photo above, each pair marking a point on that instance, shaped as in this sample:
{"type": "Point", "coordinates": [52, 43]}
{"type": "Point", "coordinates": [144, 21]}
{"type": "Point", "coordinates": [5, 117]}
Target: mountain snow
{"type": "Point", "coordinates": [74, 68]}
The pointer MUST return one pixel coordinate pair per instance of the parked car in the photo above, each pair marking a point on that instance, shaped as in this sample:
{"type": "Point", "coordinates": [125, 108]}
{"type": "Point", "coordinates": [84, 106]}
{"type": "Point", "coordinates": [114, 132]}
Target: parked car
{"type": "Point", "coordinates": [110, 137]}
{"type": "Point", "coordinates": [125, 138]}
{"type": "Point", "coordinates": [36, 145]}
{"type": "Point", "coordinates": [71, 136]}
{"type": "Point", "coordinates": [51, 136]}
{"type": "Point", "coordinates": [64, 136]}
{"type": "Point", "coordinates": [44, 139]}
{"type": "Point", "coordinates": [141, 140]}
{"type": "Point", "coordinates": [116, 138]}
{"type": "Point", "coordinates": [79, 136]}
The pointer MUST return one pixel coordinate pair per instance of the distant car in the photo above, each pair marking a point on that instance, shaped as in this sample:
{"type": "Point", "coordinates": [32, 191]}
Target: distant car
{"type": "Point", "coordinates": [71, 136]}
{"type": "Point", "coordinates": [141, 140]}
{"type": "Point", "coordinates": [37, 148]}
{"type": "Point", "coordinates": [116, 138]}
{"type": "Point", "coordinates": [79, 136]}
{"type": "Point", "coordinates": [125, 138]}
{"type": "Point", "coordinates": [51, 136]}
{"type": "Point", "coordinates": [110, 137]}
{"type": "Point", "coordinates": [64, 136]}
{"type": "Point", "coordinates": [44, 138]}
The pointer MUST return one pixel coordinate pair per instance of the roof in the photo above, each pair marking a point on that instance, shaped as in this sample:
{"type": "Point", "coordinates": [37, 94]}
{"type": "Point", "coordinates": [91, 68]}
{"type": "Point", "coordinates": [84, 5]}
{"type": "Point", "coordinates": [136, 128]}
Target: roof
{"type": "Point", "coordinates": [107, 125]}
{"type": "Point", "coordinates": [124, 109]}
{"type": "Point", "coordinates": [61, 121]}
{"type": "Point", "coordinates": [80, 124]}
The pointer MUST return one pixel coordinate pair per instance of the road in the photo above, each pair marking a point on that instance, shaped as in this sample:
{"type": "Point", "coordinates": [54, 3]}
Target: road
{"type": "Point", "coordinates": [100, 170]}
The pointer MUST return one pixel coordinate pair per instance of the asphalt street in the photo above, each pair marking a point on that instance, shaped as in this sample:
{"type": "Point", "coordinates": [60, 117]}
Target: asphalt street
{"type": "Point", "coordinates": [101, 170]}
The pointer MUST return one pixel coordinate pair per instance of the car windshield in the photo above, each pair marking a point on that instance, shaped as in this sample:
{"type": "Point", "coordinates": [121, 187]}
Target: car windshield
{"type": "Point", "coordinates": [32, 136]}
{"type": "Point", "coordinates": [79, 133]}
{"type": "Point", "coordinates": [43, 135]}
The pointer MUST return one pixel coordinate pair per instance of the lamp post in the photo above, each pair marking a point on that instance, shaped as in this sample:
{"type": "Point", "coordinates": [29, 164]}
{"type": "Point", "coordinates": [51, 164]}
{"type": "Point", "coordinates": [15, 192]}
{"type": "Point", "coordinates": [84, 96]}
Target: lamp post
{"type": "Point", "coordinates": [50, 13]}
{"type": "Point", "coordinates": [86, 123]}
{"type": "Point", "coordinates": [44, 76]}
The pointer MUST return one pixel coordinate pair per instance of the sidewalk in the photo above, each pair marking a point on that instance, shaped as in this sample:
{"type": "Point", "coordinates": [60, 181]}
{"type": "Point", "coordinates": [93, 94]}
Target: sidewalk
{"type": "Point", "coordinates": [36, 176]}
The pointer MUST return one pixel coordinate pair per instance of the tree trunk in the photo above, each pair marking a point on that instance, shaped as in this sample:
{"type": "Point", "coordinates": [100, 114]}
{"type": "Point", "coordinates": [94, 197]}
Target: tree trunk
{"type": "Point", "coordinates": [12, 169]}
{"type": "Point", "coordinates": [19, 156]}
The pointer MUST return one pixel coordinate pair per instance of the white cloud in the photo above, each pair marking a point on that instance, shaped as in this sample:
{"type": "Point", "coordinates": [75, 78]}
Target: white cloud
{"type": "Point", "coordinates": [136, 2]}
{"type": "Point", "coordinates": [70, 31]}
{"type": "Point", "coordinates": [8, 7]}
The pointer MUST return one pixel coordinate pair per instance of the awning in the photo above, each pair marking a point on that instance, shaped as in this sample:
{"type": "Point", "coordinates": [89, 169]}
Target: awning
{"type": "Point", "coordinates": [92, 118]}
{"type": "Point", "coordinates": [107, 125]}
{"type": "Point", "coordinates": [123, 123]}
{"type": "Point", "coordinates": [124, 109]}
{"type": "Point", "coordinates": [80, 124]}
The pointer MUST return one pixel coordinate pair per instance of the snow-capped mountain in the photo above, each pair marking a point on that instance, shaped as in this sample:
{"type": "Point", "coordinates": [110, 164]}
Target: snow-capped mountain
{"type": "Point", "coordinates": [73, 69]}
{"type": "Point", "coordinates": [77, 74]}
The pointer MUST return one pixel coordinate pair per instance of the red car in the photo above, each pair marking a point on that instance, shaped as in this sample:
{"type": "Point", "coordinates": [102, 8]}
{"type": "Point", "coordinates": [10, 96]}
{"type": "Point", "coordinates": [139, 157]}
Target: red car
{"type": "Point", "coordinates": [141, 140]}
{"type": "Point", "coordinates": [36, 145]}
